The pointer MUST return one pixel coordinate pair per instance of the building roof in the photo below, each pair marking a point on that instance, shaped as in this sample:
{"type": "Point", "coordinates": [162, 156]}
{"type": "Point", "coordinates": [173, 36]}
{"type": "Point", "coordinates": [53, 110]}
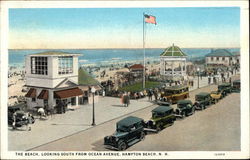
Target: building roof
{"type": "Point", "coordinates": [85, 79]}
{"type": "Point", "coordinates": [220, 53]}
{"type": "Point", "coordinates": [236, 53]}
{"type": "Point", "coordinates": [136, 66]}
{"type": "Point", "coordinates": [128, 121]}
{"type": "Point", "coordinates": [55, 53]}
{"type": "Point", "coordinates": [162, 109]}
{"type": "Point", "coordinates": [173, 51]}
{"type": "Point", "coordinates": [67, 93]}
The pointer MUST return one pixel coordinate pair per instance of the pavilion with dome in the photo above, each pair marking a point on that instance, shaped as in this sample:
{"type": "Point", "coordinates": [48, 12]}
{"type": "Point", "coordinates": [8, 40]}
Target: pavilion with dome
{"type": "Point", "coordinates": [173, 63]}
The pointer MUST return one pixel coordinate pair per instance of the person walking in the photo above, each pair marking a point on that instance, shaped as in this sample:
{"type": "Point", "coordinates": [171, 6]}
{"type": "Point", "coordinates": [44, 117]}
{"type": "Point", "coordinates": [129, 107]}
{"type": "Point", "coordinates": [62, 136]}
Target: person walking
{"type": "Point", "coordinates": [156, 94]}
{"type": "Point", "coordinates": [103, 93]}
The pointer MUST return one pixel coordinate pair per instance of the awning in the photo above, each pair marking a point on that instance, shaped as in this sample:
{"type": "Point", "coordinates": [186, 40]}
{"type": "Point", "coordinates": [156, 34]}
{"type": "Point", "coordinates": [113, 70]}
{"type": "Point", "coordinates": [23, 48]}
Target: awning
{"type": "Point", "coordinates": [31, 93]}
{"type": "Point", "coordinates": [44, 95]}
{"type": "Point", "coordinates": [73, 92]}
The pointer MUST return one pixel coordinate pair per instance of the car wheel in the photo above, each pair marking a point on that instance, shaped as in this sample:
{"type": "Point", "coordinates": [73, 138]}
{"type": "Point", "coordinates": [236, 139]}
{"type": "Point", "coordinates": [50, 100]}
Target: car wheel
{"type": "Point", "coordinates": [202, 107]}
{"type": "Point", "coordinates": [158, 127]}
{"type": "Point", "coordinates": [122, 146]}
{"type": "Point", "coordinates": [193, 110]}
{"type": "Point", "coordinates": [183, 114]}
{"type": "Point", "coordinates": [142, 136]}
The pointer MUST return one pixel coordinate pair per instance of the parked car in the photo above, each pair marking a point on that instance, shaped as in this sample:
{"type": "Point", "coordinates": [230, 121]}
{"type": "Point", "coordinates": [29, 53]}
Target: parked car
{"type": "Point", "coordinates": [225, 88]}
{"type": "Point", "coordinates": [184, 108]}
{"type": "Point", "coordinates": [163, 103]}
{"type": "Point", "coordinates": [162, 117]}
{"type": "Point", "coordinates": [174, 93]}
{"type": "Point", "coordinates": [129, 131]}
{"type": "Point", "coordinates": [202, 100]}
{"type": "Point", "coordinates": [12, 110]}
{"type": "Point", "coordinates": [236, 86]}
{"type": "Point", "coordinates": [216, 96]}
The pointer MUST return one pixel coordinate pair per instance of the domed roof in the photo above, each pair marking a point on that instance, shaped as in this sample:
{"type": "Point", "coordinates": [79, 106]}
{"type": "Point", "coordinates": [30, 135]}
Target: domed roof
{"type": "Point", "coordinates": [173, 51]}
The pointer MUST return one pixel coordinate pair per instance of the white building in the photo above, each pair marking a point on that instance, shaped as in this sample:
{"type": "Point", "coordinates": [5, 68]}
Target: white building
{"type": "Point", "coordinates": [52, 77]}
{"type": "Point", "coordinates": [173, 63]}
{"type": "Point", "coordinates": [222, 57]}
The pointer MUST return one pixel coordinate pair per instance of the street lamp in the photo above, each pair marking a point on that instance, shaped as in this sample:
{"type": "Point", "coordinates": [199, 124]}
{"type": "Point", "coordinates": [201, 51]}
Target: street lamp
{"type": "Point", "coordinates": [198, 70]}
{"type": "Point", "coordinates": [93, 116]}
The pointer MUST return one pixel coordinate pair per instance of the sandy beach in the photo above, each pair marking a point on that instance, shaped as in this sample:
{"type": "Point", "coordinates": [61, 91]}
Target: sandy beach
{"type": "Point", "coordinates": [16, 80]}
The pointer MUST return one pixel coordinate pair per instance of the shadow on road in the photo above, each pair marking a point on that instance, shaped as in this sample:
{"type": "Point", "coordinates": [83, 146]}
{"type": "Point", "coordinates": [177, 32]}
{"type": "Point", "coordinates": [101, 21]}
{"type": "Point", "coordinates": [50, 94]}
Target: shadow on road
{"type": "Point", "coordinates": [98, 146]}
{"type": "Point", "coordinates": [70, 124]}
{"type": "Point", "coordinates": [117, 105]}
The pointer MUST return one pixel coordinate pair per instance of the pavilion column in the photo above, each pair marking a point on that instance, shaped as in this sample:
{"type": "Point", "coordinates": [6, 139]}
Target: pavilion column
{"type": "Point", "coordinates": [181, 68]}
{"type": "Point", "coordinates": [172, 65]}
{"type": "Point", "coordinates": [185, 67]}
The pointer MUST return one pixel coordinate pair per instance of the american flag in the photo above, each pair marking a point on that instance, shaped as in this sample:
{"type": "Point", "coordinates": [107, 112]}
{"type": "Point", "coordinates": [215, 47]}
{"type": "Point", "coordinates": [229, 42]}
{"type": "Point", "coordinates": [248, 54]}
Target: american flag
{"type": "Point", "coordinates": [150, 19]}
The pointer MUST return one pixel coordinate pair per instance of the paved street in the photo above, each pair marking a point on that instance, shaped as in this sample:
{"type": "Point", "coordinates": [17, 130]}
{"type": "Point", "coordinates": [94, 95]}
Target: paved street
{"type": "Point", "coordinates": [75, 122]}
{"type": "Point", "coordinates": [216, 128]}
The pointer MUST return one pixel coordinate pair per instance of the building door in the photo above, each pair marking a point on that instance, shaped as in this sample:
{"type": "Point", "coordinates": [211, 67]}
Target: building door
{"type": "Point", "coordinates": [73, 101]}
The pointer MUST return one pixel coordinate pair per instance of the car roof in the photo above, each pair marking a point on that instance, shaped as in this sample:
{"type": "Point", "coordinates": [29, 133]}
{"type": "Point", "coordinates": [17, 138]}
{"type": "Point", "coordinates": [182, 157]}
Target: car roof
{"type": "Point", "coordinates": [225, 84]}
{"type": "Point", "coordinates": [178, 87]}
{"type": "Point", "coordinates": [128, 121]}
{"type": "Point", "coordinates": [203, 94]}
{"type": "Point", "coordinates": [184, 101]}
{"type": "Point", "coordinates": [162, 109]}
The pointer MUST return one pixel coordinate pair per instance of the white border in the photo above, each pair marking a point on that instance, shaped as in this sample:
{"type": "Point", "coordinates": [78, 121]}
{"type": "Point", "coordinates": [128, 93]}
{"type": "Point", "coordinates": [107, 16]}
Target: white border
{"type": "Point", "coordinates": [244, 153]}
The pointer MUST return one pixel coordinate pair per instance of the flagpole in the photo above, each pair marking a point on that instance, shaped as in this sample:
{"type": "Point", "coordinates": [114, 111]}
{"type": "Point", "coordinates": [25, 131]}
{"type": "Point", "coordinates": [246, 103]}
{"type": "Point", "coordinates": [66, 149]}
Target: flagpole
{"type": "Point", "coordinates": [144, 64]}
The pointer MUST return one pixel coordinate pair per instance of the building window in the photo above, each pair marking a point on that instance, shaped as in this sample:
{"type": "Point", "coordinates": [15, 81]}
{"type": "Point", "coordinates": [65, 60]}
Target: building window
{"type": "Point", "coordinates": [231, 58]}
{"type": "Point", "coordinates": [212, 58]}
{"type": "Point", "coordinates": [33, 99]}
{"type": "Point", "coordinates": [39, 65]}
{"type": "Point", "coordinates": [65, 65]}
{"type": "Point", "coordinates": [217, 58]}
{"type": "Point", "coordinates": [223, 58]}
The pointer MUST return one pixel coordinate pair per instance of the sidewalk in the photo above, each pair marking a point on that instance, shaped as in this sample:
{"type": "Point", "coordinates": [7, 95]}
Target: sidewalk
{"type": "Point", "coordinates": [61, 125]}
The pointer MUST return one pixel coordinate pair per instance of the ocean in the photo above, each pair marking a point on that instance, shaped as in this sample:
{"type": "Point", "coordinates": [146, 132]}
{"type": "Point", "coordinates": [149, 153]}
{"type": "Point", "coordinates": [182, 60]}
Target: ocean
{"type": "Point", "coordinates": [108, 56]}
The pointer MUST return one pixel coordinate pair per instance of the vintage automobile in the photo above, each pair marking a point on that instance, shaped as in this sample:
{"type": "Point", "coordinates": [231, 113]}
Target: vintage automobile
{"type": "Point", "coordinates": [12, 110]}
{"type": "Point", "coordinates": [129, 131]}
{"type": "Point", "coordinates": [225, 88]}
{"type": "Point", "coordinates": [236, 86]}
{"type": "Point", "coordinates": [216, 96]}
{"type": "Point", "coordinates": [184, 108]}
{"type": "Point", "coordinates": [202, 100]}
{"type": "Point", "coordinates": [162, 117]}
{"type": "Point", "coordinates": [174, 93]}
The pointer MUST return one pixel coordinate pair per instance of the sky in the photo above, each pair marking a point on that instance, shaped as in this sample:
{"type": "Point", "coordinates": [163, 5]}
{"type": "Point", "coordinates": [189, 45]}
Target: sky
{"type": "Point", "coordinates": [80, 28]}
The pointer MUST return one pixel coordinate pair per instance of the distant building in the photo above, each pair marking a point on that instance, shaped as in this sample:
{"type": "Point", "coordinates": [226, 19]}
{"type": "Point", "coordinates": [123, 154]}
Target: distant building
{"type": "Point", "coordinates": [136, 70]}
{"type": "Point", "coordinates": [222, 58]}
{"type": "Point", "coordinates": [173, 63]}
{"type": "Point", "coordinates": [52, 77]}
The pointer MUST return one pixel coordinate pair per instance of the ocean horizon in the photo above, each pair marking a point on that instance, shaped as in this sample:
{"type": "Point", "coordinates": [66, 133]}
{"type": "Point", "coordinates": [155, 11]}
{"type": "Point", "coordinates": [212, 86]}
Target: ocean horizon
{"type": "Point", "coordinates": [109, 56]}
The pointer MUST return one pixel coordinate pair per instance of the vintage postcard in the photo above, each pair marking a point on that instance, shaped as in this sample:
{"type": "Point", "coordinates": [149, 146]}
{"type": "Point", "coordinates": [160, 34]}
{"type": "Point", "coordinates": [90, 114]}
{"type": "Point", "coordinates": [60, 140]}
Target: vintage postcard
{"type": "Point", "coordinates": [124, 80]}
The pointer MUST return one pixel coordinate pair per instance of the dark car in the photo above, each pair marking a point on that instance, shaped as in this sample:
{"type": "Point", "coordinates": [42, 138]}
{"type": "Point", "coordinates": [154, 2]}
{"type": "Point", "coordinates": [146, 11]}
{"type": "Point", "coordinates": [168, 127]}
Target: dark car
{"type": "Point", "coordinates": [12, 110]}
{"type": "Point", "coordinates": [162, 117]}
{"type": "Point", "coordinates": [129, 131]}
{"type": "Point", "coordinates": [225, 88]}
{"type": "Point", "coordinates": [202, 100]}
{"type": "Point", "coordinates": [236, 86]}
{"type": "Point", "coordinates": [185, 108]}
